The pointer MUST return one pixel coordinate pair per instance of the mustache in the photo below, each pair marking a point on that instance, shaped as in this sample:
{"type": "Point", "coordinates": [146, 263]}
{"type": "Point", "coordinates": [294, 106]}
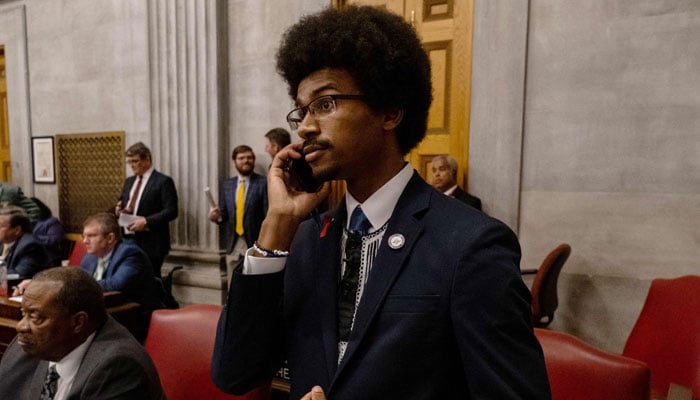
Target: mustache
{"type": "Point", "coordinates": [314, 144]}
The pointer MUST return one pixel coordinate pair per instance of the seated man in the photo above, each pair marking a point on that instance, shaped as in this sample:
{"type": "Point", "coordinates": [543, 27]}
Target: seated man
{"type": "Point", "coordinates": [117, 265]}
{"type": "Point", "coordinates": [120, 265]}
{"type": "Point", "coordinates": [23, 254]}
{"type": "Point", "coordinates": [68, 347]}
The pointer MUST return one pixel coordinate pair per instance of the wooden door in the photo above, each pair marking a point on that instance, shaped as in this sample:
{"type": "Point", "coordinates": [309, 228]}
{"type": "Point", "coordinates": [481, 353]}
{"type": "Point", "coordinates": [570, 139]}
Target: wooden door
{"type": "Point", "coordinates": [5, 164]}
{"type": "Point", "coordinates": [445, 28]}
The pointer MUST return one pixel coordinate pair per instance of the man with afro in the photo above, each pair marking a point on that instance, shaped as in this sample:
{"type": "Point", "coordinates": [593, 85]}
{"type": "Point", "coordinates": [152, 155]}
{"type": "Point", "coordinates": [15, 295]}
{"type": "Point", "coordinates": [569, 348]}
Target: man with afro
{"type": "Point", "coordinates": [400, 292]}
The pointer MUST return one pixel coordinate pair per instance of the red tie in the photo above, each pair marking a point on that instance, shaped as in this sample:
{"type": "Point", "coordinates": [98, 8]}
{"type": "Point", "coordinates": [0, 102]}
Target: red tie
{"type": "Point", "coordinates": [132, 201]}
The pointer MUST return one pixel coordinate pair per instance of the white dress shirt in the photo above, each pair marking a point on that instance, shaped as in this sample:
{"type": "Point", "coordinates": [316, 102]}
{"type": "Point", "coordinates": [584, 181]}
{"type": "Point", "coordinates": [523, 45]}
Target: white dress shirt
{"type": "Point", "coordinates": [68, 367]}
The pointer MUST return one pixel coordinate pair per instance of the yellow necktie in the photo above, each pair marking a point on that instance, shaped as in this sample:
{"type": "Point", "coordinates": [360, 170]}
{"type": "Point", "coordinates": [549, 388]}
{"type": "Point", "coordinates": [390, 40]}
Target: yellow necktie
{"type": "Point", "coordinates": [5, 250]}
{"type": "Point", "coordinates": [240, 200]}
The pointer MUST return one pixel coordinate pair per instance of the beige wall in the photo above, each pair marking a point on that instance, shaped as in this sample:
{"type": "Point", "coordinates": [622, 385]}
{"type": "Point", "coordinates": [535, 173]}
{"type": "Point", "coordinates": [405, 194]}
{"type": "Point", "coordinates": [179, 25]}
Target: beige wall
{"type": "Point", "coordinates": [610, 143]}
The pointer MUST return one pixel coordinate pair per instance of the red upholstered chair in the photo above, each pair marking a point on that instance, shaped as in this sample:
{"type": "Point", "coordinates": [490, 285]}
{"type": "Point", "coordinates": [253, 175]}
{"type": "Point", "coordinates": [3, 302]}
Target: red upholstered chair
{"type": "Point", "coordinates": [667, 334]}
{"type": "Point", "coordinates": [544, 286]}
{"type": "Point", "coordinates": [77, 253]}
{"type": "Point", "coordinates": [579, 371]}
{"type": "Point", "coordinates": [181, 342]}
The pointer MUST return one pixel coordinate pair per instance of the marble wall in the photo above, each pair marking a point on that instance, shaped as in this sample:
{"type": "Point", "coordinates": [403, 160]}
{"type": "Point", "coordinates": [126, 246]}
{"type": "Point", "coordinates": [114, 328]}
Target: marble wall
{"type": "Point", "coordinates": [609, 160]}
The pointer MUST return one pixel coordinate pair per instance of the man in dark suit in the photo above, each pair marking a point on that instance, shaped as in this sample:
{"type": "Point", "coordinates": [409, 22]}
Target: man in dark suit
{"type": "Point", "coordinates": [23, 254]}
{"type": "Point", "coordinates": [400, 293]}
{"type": "Point", "coordinates": [151, 196]}
{"type": "Point", "coordinates": [120, 265]}
{"type": "Point", "coordinates": [238, 234]}
{"type": "Point", "coordinates": [444, 169]}
{"type": "Point", "coordinates": [68, 347]}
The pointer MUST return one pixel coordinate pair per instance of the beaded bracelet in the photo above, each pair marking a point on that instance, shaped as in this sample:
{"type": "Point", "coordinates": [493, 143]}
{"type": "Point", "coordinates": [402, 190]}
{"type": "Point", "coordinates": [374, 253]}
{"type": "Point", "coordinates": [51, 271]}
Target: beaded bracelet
{"type": "Point", "coordinates": [269, 253]}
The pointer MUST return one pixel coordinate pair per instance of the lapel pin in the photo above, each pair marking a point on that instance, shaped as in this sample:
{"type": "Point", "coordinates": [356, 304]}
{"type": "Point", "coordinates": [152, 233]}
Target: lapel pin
{"type": "Point", "coordinates": [396, 241]}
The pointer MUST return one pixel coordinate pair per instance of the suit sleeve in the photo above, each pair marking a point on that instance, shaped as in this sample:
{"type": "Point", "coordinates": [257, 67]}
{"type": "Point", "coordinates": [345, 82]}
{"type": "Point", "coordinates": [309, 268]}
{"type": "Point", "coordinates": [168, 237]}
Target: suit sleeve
{"type": "Point", "coordinates": [50, 232]}
{"type": "Point", "coordinates": [31, 259]}
{"type": "Point", "coordinates": [223, 203]}
{"type": "Point", "coordinates": [248, 348]}
{"type": "Point", "coordinates": [124, 196]}
{"type": "Point", "coordinates": [169, 202]}
{"type": "Point", "coordinates": [491, 314]}
{"type": "Point", "coordinates": [130, 269]}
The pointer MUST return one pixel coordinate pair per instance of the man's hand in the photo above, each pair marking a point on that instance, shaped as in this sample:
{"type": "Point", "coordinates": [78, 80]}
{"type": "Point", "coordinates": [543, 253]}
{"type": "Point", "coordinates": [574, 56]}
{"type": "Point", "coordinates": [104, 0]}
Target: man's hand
{"type": "Point", "coordinates": [19, 289]}
{"type": "Point", "coordinates": [118, 208]}
{"type": "Point", "coordinates": [138, 225]}
{"type": "Point", "coordinates": [316, 393]}
{"type": "Point", "coordinates": [214, 214]}
{"type": "Point", "coordinates": [287, 207]}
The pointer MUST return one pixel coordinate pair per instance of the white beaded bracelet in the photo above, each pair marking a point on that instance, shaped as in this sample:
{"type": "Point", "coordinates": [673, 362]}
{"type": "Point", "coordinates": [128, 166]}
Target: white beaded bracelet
{"type": "Point", "coordinates": [269, 253]}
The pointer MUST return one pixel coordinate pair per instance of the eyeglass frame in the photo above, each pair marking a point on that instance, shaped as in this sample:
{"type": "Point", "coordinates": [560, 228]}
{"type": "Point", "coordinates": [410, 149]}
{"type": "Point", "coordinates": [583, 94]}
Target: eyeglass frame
{"type": "Point", "coordinates": [307, 108]}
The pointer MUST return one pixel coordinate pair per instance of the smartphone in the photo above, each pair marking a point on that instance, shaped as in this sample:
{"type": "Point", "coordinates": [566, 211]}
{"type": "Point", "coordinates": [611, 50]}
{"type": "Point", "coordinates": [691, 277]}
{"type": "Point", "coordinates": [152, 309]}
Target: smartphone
{"type": "Point", "coordinates": [303, 178]}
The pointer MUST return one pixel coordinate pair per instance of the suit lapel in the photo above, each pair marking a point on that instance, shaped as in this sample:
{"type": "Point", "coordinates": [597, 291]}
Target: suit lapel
{"type": "Point", "coordinates": [389, 261]}
{"type": "Point", "coordinates": [252, 183]}
{"type": "Point", "coordinates": [38, 380]}
{"type": "Point", "coordinates": [232, 205]}
{"type": "Point", "coordinates": [145, 194]}
{"type": "Point", "coordinates": [327, 281]}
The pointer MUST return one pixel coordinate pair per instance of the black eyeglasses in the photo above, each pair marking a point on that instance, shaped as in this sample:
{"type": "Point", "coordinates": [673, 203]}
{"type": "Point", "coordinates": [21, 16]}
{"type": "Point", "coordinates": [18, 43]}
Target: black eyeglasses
{"type": "Point", "coordinates": [319, 107]}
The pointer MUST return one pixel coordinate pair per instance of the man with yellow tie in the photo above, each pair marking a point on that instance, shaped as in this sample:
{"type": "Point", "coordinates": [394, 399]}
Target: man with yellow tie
{"type": "Point", "coordinates": [242, 206]}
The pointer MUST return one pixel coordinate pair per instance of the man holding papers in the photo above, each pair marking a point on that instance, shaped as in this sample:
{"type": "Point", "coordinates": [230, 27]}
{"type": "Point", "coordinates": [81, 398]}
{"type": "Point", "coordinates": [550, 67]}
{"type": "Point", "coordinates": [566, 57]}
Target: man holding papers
{"type": "Point", "coordinates": [150, 200]}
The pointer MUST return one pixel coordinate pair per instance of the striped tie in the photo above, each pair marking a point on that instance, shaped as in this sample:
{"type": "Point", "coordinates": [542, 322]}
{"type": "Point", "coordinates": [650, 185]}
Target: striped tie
{"type": "Point", "coordinates": [240, 200]}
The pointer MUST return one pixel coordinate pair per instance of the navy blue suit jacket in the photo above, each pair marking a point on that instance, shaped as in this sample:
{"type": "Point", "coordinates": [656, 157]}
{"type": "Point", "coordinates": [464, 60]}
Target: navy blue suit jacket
{"type": "Point", "coordinates": [27, 257]}
{"type": "Point", "coordinates": [255, 209]}
{"type": "Point", "coordinates": [159, 205]}
{"type": "Point", "coordinates": [444, 316]}
{"type": "Point", "coordinates": [128, 271]}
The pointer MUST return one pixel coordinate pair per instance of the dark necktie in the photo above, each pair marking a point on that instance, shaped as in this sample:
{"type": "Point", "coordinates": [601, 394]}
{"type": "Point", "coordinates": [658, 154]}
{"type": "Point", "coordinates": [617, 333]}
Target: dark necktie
{"type": "Point", "coordinates": [347, 293]}
{"type": "Point", "coordinates": [132, 201]}
{"type": "Point", "coordinates": [49, 389]}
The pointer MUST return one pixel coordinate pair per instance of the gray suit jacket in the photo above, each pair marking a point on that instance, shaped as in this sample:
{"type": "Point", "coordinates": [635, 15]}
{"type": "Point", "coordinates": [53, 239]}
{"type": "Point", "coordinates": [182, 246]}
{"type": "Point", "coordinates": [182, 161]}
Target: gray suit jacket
{"type": "Point", "coordinates": [115, 366]}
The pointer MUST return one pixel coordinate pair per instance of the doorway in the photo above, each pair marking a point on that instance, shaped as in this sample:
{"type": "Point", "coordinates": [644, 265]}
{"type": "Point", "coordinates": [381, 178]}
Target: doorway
{"type": "Point", "coordinates": [5, 162]}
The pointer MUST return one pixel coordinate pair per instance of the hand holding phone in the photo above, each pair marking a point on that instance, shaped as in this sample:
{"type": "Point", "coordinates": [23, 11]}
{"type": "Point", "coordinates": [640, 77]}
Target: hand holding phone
{"type": "Point", "coordinates": [302, 176]}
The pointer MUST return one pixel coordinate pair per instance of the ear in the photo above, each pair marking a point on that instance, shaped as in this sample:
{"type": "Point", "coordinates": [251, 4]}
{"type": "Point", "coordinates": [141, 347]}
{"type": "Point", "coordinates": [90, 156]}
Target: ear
{"type": "Point", "coordinates": [80, 321]}
{"type": "Point", "coordinates": [392, 119]}
{"type": "Point", "coordinates": [111, 238]}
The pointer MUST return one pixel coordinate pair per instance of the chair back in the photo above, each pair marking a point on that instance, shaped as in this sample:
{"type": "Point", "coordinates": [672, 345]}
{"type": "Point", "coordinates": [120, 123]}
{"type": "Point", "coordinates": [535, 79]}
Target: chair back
{"type": "Point", "coordinates": [77, 253]}
{"type": "Point", "coordinates": [544, 287]}
{"type": "Point", "coordinates": [667, 334]}
{"type": "Point", "coordinates": [181, 342]}
{"type": "Point", "coordinates": [579, 371]}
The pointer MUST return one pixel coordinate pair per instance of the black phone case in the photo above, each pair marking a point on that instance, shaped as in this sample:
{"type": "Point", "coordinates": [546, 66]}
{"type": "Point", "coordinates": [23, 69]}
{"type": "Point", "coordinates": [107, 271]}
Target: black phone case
{"type": "Point", "coordinates": [304, 176]}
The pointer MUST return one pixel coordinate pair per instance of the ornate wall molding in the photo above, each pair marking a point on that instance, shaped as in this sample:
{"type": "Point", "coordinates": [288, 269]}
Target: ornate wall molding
{"type": "Point", "coordinates": [90, 175]}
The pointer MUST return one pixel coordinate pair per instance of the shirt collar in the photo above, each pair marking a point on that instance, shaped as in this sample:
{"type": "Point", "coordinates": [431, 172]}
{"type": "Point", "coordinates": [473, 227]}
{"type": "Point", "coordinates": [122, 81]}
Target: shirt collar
{"type": "Point", "coordinates": [107, 256]}
{"type": "Point", "coordinates": [68, 366]}
{"type": "Point", "coordinates": [380, 205]}
{"type": "Point", "coordinates": [450, 191]}
{"type": "Point", "coordinates": [148, 173]}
